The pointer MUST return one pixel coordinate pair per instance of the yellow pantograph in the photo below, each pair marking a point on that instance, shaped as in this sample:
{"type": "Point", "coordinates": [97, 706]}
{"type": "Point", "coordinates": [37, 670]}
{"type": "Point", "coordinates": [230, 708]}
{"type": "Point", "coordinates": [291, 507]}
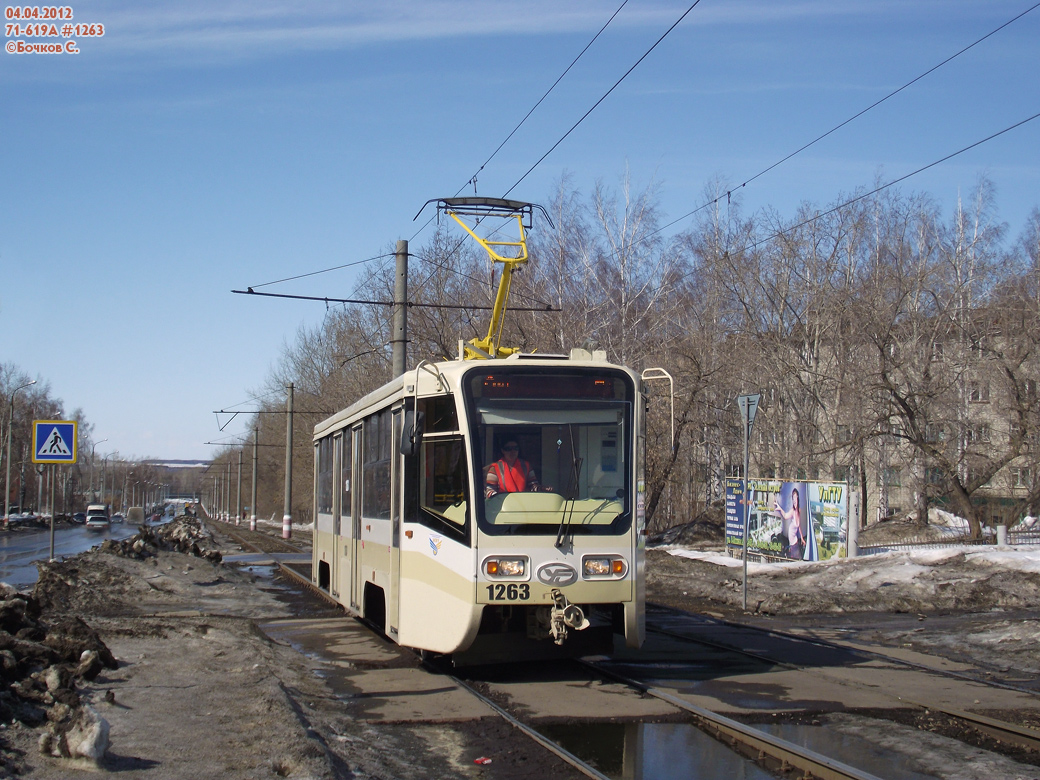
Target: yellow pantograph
{"type": "Point", "coordinates": [489, 347]}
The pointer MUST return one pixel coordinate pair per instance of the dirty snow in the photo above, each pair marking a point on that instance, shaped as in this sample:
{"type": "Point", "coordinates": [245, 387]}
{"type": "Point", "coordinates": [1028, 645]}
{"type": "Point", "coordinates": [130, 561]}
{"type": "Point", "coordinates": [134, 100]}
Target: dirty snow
{"type": "Point", "coordinates": [990, 594]}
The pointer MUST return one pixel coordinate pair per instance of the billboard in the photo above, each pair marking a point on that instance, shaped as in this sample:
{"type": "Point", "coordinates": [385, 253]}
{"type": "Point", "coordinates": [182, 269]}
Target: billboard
{"type": "Point", "coordinates": [805, 521]}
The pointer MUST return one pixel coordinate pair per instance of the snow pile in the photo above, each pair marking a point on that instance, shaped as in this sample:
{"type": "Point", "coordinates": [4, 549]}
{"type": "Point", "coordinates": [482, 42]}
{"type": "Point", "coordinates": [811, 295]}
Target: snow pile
{"type": "Point", "coordinates": [184, 535]}
{"type": "Point", "coordinates": [970, 579]}
{"type": "Point", "coordinates": [40, 663]}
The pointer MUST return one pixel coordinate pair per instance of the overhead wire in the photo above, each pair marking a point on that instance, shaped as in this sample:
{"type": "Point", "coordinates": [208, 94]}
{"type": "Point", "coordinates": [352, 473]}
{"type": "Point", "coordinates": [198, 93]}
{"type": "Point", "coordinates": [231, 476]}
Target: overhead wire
{"type": "Point", "coordinates": [840, 125]}
{"type": "Point", "coordinates": [472, 179]}
{"type": "Point", "coordinates": [885, 186]}
{"type": "Point", "coordinates": [604, 97]}
{"type": "Point", "coordinates": [544, 96]}
{"type": "Point", "coordinates": [323, 271]}
{"type": "Point", "coordinates": [582, 119]}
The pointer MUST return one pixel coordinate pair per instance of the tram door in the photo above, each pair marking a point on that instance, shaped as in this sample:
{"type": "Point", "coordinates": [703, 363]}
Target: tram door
{"type": "Point", "coordinates": [356, 585]}
{"type": "Point", "coordinates": [335, 504]}
{"type": "Point", "coordinates": [347, 525]}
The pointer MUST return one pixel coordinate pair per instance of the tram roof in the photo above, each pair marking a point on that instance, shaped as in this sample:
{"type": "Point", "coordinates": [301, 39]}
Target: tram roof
{"type": "Point", "coordinates": [451, 371]}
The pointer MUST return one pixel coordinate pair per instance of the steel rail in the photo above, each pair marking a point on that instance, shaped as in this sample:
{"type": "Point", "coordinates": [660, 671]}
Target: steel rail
{"type": "Point", "coordinates": [831, 646]}
{"type": "Point", "coordinates": [1020, 736]}
{"type": "Point", "coordinates": [560, 752]}
{"type": "Point", "coordinates": [785, 756]}
{"type": "Point", "coordinates": [554, 748]}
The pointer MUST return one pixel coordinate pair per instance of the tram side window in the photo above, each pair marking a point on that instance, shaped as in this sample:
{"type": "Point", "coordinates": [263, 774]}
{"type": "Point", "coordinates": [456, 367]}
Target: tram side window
{"type": "Point", "coordinates": [346, 469]}
{"type": "Point", "coordinates": [443, 481]}
{"type": "Point", "coordinates": [324, 486]}
{"type": "Point", "coordinates": [375, 488]}
{"type": "Point", "coordinates": [440, 414]}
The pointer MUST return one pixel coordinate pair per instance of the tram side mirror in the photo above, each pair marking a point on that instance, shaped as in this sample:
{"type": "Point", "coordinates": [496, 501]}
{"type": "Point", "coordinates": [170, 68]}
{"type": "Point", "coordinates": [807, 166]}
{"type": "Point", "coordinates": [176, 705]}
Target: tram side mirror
{"type": "Point", "coordinates": [411, 433]}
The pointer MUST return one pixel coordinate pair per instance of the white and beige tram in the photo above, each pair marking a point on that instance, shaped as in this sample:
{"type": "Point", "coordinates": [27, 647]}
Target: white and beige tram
{"type": "Point", "coordinates": [406, 538]}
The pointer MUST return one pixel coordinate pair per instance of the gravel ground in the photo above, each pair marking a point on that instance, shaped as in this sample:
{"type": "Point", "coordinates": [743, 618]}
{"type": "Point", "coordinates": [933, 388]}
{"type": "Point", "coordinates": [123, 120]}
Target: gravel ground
{"type": "Point", "coordinates": [197, 690]}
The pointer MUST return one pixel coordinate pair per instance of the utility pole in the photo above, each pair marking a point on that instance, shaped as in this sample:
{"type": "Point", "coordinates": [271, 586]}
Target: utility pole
{"type": "Point", "coordinates": [748, 407]}
{"type": "Point", "coordinates": [287, 509]}
{"type": "Point", "coordinates": [238, 494]}
{"type": "Point", "coordinates": [10, 424]}
{"type": "Point", "coordinates": [252, 504]}
{"type": "Point", "coordinates": [400, 320]}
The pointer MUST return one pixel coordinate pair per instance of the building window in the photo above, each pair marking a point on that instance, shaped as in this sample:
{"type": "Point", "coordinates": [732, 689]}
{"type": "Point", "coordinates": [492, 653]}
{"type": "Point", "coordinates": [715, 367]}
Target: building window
{"type": "Point", "coordinates": [933, 434]}
{"type": "Point", "coordinates": [735, 470]}
{"type": "Point", "coordinates": [1021, 477]}
{"type": "Point", "coordinates": [935, 476]}
{"type": "Point", "coordinates": [978, 392]}
{"type": "Point", "coordinates": [842, 473]}
{"type": "Point", "coordinates": [937, 350]}
{"type": "Point", "coordinates": [977, 434]}
{"type": "Point", "coordinates": [892, 476]}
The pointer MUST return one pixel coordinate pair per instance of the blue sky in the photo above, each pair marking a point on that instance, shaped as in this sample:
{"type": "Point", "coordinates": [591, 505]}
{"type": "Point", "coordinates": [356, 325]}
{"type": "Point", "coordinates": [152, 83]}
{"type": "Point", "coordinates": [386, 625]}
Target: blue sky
{"type": "Point", "coordinates": [200, 147]}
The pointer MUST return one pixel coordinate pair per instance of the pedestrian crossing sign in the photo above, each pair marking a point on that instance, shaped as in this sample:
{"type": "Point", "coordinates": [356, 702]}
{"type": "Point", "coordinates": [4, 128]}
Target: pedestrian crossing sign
{"type": "Point", "coordinates": [54, 441]}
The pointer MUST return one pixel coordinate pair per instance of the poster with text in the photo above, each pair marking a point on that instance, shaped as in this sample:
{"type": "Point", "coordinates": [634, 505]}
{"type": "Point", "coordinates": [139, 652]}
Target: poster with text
{"type": "Point", "coordinates": [788, 520]}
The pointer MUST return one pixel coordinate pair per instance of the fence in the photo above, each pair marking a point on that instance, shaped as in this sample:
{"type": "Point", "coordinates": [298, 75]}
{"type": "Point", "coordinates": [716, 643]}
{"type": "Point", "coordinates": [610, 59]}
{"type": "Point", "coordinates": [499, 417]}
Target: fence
{"type": "Point", "coordinates": [1013, 538]}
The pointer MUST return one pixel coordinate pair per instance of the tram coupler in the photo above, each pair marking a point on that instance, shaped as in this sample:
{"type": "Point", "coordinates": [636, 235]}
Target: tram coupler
{"type": "Point", "coordinates": [563, 616]}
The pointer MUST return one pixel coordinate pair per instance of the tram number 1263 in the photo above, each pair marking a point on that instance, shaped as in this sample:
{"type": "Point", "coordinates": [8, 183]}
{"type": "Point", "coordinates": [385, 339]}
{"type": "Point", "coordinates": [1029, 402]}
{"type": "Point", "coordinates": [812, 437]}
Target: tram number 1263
{"type": "Point", "coordinates": [511, 592]}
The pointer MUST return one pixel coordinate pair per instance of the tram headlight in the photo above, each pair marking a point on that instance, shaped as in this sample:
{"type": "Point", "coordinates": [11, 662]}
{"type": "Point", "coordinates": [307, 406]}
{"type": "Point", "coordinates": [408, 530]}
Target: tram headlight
{"type": "Point", "coordinates": [506, 567]}
{"type": "Point", "coordinates": [604, 567]}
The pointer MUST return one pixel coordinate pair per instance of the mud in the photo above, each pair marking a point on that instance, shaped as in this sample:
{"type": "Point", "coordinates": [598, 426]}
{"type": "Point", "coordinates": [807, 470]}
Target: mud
{"type": "Point", "coordinates": [155, 642]}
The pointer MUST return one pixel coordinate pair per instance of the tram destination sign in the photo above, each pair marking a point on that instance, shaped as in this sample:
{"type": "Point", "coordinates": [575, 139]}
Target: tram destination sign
{"type": "Point", "coordinates": [54, 441]}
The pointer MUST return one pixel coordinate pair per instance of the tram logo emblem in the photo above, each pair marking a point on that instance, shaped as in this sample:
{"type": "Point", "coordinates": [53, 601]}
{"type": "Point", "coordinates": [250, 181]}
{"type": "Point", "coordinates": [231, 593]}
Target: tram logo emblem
{"type": "Point", "coordinates": [435, 544]}
{"type": "Point", "coordinates": [557, 574]}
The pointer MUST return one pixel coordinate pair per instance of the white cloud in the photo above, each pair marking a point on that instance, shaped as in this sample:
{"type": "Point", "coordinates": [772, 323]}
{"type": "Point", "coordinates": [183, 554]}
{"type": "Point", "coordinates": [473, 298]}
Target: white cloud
{"type": "Point", "coordinates": [246, 29]}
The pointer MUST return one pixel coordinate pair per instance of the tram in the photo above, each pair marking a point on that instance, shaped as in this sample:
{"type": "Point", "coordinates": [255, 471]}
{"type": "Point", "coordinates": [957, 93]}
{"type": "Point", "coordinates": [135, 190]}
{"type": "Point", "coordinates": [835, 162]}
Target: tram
{"type": "Point", "coordinates": [490, 509]}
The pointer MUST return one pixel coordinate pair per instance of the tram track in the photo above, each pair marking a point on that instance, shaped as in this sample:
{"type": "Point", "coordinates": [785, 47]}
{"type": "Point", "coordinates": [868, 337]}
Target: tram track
{"type": "Point", "coordinates": [1008, 733]}
{"type": "Point", "coordinates": [777, 755]}
{"type": "Point", "coordinates": [769, 752]}
{"type": "Point", "coordinates": [553, 747]}
{"type": "Point", "coordinates": [823, 643]}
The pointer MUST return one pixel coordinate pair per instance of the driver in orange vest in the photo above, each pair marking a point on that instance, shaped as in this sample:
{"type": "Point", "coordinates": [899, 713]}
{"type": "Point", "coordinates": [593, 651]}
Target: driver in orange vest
{"type": "Point", "coordinates": [511, 474]}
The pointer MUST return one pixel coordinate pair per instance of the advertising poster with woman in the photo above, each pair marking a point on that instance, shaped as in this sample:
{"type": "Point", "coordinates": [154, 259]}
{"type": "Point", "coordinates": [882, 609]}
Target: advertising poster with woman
{"type": "Point", "coordinates": [789, 506]}
{"type": "Point", "coordinates": [803, 521]}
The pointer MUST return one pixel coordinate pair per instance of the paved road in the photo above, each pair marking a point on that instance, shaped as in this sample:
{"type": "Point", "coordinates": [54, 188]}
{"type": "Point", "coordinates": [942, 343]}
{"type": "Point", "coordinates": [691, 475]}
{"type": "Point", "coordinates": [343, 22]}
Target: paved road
{"type": "Point", "coordinates": [20, 549]}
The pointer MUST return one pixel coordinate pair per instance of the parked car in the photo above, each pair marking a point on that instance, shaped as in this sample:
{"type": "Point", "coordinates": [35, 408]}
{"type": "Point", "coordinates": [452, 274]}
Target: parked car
{"type": "Point", "coordinates": [79, 517]}
{"type": "Point", "coordinates": [117, 518]}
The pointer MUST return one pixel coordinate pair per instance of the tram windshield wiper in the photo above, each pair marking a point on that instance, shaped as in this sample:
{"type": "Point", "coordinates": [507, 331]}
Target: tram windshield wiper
{"type": "Point", "coordinates": [572, 492]}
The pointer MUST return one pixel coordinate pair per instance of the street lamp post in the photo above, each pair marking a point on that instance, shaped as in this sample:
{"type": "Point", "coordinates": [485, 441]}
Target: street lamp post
{"type": "Point", "coordinates": [10, 424]}
{"type": "Point", "coordinates": [92, 448]}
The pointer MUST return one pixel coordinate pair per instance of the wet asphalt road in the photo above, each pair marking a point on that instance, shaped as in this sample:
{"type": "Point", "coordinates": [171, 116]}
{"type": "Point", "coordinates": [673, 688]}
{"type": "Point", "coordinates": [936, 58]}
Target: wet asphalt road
{"type": "Point", "coordinates": [20, 549]}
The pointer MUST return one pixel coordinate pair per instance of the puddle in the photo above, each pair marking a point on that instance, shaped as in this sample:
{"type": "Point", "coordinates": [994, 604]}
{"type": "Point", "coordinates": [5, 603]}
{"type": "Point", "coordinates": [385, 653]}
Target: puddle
{"type": "Point", "coordinates": [882, 761]}
{"type": "Point", "coordinates": [247, 558]}
{"type": "Point", "coordinates": [653, 751]}
{"type": "Point", "coordinates": [672, 674]}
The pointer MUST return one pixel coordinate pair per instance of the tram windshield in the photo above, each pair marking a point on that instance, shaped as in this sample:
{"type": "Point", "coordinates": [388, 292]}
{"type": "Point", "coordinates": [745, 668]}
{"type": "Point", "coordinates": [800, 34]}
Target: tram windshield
{"type": "Point", "coordinates": [552, 450]}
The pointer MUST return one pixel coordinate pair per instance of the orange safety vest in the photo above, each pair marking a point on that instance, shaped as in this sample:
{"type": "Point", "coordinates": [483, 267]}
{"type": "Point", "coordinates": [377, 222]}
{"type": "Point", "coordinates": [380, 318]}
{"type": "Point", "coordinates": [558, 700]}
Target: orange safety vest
{"type": "Point", "coordinates": [512, 480]}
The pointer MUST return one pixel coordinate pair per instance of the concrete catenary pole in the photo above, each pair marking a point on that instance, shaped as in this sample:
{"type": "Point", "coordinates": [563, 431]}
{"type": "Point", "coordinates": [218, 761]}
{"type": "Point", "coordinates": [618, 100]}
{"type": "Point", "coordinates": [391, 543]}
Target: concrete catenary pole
{"type": "Point", "coordinates": [287, 510]}
{"type": "Point", "coordinates": [400, 320]}
{"type": "Point", "coordinates": [10, 424]}
{"type": "Point", "coordinates": [252, 503]}
{"type": "Point", "coordinates": [238, 493]}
